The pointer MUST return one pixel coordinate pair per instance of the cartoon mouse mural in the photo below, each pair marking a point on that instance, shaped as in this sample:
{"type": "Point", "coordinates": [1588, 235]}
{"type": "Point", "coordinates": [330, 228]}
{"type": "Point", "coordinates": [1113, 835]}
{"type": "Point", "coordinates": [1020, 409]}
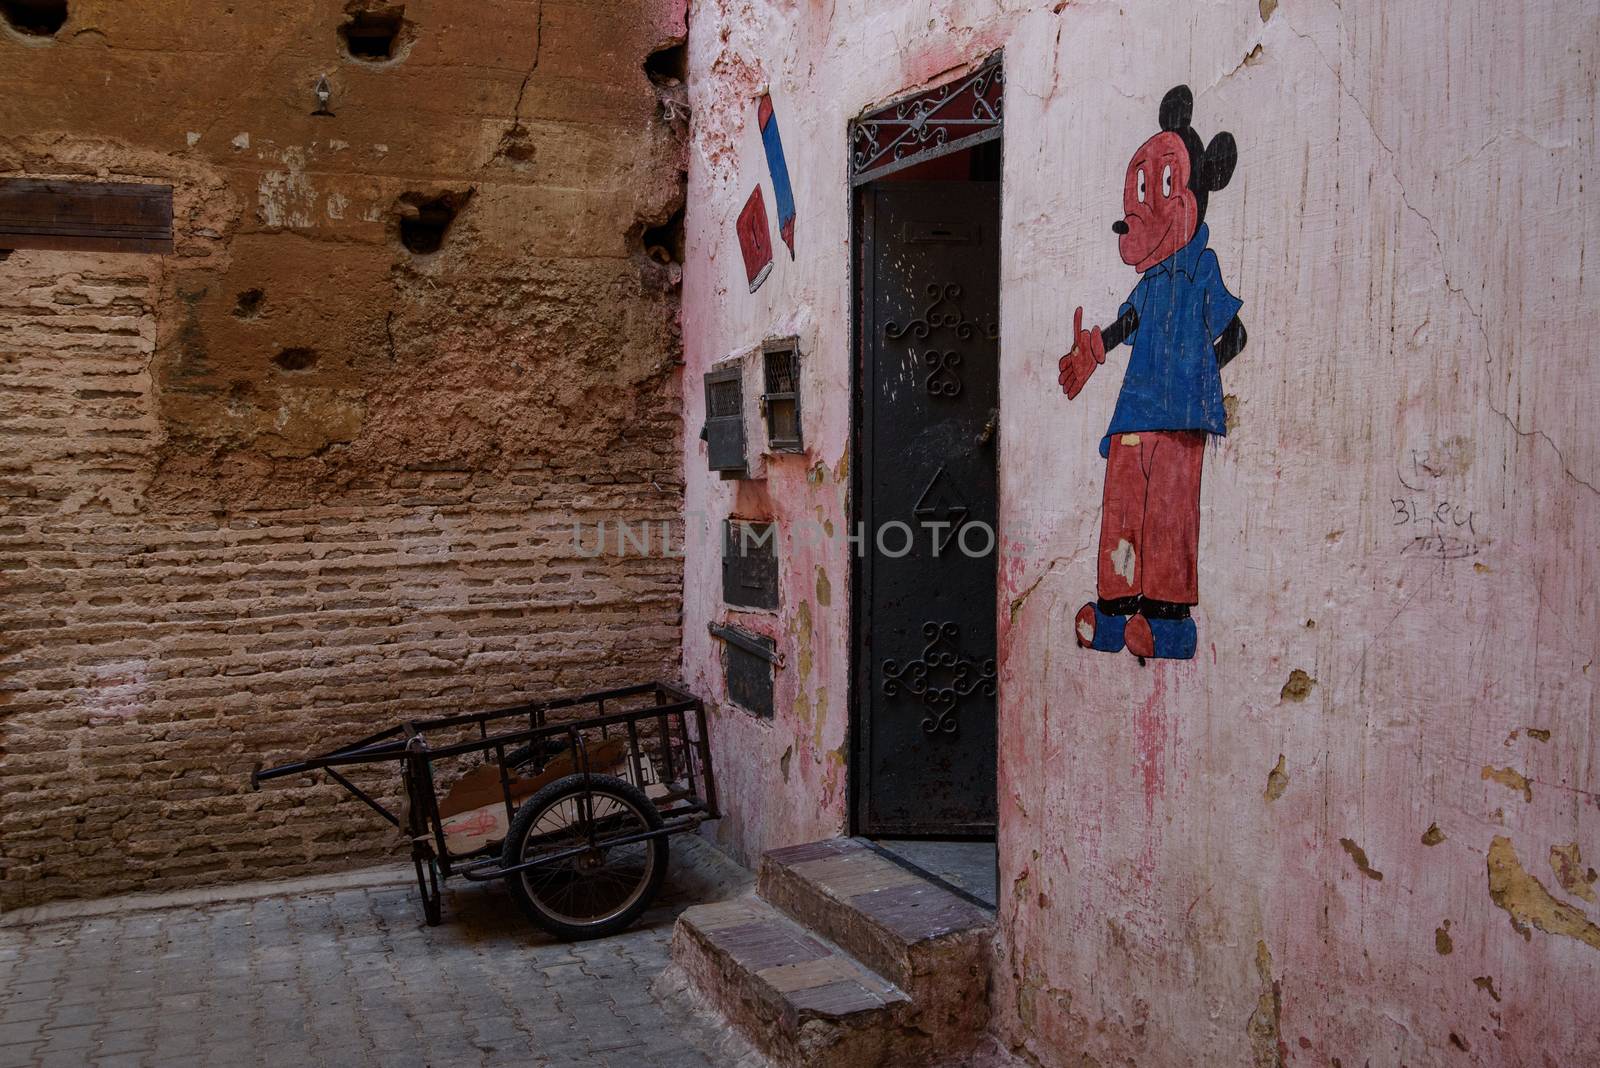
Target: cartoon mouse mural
{"type": "Point", "coordinates": [1183, 326]}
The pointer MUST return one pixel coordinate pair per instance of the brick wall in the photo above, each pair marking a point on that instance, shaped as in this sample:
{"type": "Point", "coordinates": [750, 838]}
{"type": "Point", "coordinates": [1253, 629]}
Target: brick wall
{"type": "Point", "coordinates": [214, 555]}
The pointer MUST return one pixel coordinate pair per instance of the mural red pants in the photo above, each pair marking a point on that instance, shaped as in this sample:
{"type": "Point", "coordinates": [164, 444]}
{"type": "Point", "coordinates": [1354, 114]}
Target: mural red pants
{"type": "Point", "coordinates": [1150, 521]}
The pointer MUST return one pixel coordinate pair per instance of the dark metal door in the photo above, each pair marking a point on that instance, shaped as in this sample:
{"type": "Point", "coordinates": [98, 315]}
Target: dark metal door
{"type": "Point", "coordinates": [926, 608]}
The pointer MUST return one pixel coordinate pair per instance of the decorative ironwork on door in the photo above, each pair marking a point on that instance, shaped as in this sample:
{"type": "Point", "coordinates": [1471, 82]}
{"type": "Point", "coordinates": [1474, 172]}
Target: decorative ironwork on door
{"type": "Point", "coordinates": [929, 124]}
{"type": "Point", "coordinates": [942, 676]}
{"type": "Point", "coordinates": [944, 313]}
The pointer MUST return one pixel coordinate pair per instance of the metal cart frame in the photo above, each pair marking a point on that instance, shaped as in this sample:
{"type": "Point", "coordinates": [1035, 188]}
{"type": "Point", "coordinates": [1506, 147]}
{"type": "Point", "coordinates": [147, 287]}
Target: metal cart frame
{"type": "Point", "coordinates": [660, 706]}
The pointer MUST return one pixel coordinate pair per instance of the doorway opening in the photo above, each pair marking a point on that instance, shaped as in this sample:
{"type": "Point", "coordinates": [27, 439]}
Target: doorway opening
{"type": "Point", "coordinates": [926, 184]}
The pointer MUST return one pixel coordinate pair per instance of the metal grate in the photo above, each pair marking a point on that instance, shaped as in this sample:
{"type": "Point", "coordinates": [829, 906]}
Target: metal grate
{"type": "Point", "coordinates": [781, 400]}
{"type": "Point", "coordinates": [929, 124]}
{"type": "Point", "coordinates": [723, 400]}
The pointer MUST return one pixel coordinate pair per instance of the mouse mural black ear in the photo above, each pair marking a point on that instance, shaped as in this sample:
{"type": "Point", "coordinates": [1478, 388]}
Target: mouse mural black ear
{"type": "Point", "coordinates": [1216, 167]}
{"type": "Point", "coordinates": [1177, 108]}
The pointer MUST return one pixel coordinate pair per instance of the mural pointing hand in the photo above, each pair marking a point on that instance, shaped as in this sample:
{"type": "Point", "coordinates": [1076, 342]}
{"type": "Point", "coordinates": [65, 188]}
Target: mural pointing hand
{"type": "Point", "coordinates": [1088, 352]}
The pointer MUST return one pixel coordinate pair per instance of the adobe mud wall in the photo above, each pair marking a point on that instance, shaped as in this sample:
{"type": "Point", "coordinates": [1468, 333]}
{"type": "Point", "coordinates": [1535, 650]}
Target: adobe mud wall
{"type": "Point", "coordinates": [1361, 825]}
{"type": "Point", "coordinates": [318, 469]}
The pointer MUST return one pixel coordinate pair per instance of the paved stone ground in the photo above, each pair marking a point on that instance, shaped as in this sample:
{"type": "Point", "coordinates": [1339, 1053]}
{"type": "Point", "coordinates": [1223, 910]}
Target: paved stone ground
{"type": "Point", "coordinates": [351, 977]}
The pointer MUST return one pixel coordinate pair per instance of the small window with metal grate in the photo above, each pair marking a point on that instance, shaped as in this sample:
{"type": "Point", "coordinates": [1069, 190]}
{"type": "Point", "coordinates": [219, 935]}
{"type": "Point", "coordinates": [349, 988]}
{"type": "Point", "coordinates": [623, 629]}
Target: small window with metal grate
{"type": "Point", "coordinates": [780, 402]}
{"type": "Point", "coordinates": [724, 429]}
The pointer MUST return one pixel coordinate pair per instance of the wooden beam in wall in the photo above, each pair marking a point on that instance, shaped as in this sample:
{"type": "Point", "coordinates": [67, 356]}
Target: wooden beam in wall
{"type": "Point", "coordinates": [85, 216]}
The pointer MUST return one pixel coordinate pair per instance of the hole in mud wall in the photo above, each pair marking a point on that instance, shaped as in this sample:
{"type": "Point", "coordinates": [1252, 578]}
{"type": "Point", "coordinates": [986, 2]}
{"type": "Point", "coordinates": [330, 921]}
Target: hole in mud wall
{"type": "Point", "coordinates": [35, 18]}
{"type": "Point", "coordinates": [374, 35]}
{"type": "Point", "coordinates": [425, 219]}
{"type": "Point", "coordinates": [664, 243]}
{"type": "Point", "coordinates": [296, 359]}
{"type": "Point", "coordinates": [668, 65]}
{"type": "Point", "coordinates": [248, 304]}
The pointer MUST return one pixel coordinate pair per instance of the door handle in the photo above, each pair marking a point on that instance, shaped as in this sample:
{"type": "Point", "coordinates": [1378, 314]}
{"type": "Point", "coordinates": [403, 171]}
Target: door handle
{"type": "Point", "coordinates": [987, 434]}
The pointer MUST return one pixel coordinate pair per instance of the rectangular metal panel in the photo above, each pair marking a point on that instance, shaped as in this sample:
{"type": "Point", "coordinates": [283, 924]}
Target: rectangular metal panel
{"type": "Point", "coordinates": [85, 216]}
{"type": "Point", "coordinates": [724, 430]}
{"type": "Point", "coordinates": [750, 564]}
{"type": "Point", "coordinates": [748, 660]}
{"type": "Point", "coordinates": [925, 673]}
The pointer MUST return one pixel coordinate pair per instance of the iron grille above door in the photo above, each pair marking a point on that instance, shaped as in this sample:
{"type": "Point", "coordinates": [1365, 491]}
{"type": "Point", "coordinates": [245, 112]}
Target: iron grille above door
{"type": "Point", "coordinates": [929, 124]}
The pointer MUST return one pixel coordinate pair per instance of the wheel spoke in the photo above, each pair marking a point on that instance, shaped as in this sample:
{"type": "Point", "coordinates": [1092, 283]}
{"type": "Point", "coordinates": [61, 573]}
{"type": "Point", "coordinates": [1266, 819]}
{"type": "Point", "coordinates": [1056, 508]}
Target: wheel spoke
{"type": "Point", "coordinates": [592, 886]}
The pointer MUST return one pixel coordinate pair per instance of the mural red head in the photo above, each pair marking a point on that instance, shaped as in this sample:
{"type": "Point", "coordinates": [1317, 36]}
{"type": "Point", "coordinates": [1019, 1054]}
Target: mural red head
{"type": "Point", "coordinates": [1168, 181]}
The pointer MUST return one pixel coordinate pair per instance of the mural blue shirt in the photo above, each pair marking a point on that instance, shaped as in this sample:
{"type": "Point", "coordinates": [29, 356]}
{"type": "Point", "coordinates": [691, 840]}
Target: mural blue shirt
{"type": "Point", "coordinates": [1172, 381]}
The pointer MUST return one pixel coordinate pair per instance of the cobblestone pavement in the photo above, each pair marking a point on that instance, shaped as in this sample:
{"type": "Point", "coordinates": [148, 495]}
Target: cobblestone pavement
{"type": "Point", "coordinates": [350, 977]}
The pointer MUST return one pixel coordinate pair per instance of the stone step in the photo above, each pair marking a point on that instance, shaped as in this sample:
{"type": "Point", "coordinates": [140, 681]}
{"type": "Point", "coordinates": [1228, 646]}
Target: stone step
{"type": "Point", "coordinates": [931, 942]}
{"type": "Point", "coordinates": [797, 998]}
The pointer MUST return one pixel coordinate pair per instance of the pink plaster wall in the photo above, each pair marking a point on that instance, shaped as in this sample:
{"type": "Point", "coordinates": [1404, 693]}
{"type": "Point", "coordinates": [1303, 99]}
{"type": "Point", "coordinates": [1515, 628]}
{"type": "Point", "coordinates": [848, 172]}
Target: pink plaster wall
{"type": "Point", "coordinates": [1408, 228]}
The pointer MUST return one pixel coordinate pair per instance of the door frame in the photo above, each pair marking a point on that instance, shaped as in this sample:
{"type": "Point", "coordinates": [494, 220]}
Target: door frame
{"type": "Point", "coordinates": [858, 515]}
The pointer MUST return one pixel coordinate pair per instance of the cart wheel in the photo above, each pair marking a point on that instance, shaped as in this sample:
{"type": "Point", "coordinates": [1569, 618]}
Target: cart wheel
{"type": "Point", "coordinates": [603, 889]}
{"type": "Point", "coordinates": [428, 883]}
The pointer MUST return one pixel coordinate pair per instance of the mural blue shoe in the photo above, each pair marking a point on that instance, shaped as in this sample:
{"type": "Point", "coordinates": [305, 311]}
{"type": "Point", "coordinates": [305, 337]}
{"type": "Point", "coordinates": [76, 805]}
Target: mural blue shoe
{"type": "Point", "coordinates": [1099, 631]}
{"type": "Point", "coordinates": [1161, 639]}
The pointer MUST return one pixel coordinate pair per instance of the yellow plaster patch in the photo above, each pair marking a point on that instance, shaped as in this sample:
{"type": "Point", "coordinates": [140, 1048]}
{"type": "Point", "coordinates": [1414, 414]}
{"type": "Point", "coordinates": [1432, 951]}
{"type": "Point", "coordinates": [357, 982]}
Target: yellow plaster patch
{"type": "Point", "coordinates": [1277, 781]}
{"type": "Point", "coordinates": [1298, 688]}
{"type": "Point", "coordinates": [801, 629]}
{"type": "Point", "coordinates": [1527, 902]}
{"type": "Point", "coordinates": [1359, 856]}
{"type": "Point", "coordinates": [1510, 779]}
{"type": "Point", "coordinates": [1567, 862]}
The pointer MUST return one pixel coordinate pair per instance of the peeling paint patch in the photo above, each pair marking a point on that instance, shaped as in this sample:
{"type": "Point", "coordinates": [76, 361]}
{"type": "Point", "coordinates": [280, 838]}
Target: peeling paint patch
{"type": "Point", "coordinates": [1567, 862]}
{"type": "Point", "coordinates": [801, 628]}
{"type": "Point", "coordinates": [1433, 835]}
{"type": "Point", "coordinates": [1442, 943]}
{"type": "Point", "coordinates": [1230, 401]}
{"type": "Point", "coordinates": [1264, 1026]}
{"type": "Point", "coordinates": [1277, 781]}
{"type": "Point", "coordinates": [1510, 779]}
{"type": "Point", "coordinates": [1486, 984]}
{"type": "Point", "coordinates": [1538, 734]}
{"type": "Point", "coordinates": [1267, 7]}
{"type": "Point", "coordinates": [1359, 855]}
{"type": "Point", "coordinates": [824, 587]}
{"type": "Point", "coordinates": [1527, 902]}
{"type": "Point", "coordinates": [1123, 560]}
{"type": "Point", "coordinates": [783, 762]}
{"type": "Point", "coordinates": [1298, 688]}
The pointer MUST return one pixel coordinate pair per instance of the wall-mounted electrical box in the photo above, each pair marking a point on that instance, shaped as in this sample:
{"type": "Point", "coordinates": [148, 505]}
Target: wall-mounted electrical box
{"type": "Point", "coordinates": [724, 429]}
{"type": "Point", "coordinates": [749, 661]}
{"type": "Point", "coordinates": [750, 564]}
{"type": "Point", "coordinates": [780, 397]}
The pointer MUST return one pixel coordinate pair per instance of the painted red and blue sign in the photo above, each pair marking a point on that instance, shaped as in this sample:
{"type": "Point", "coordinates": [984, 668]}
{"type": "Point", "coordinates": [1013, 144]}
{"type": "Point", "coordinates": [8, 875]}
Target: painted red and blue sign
{"type": "Point", "coordinates": [778, 167]}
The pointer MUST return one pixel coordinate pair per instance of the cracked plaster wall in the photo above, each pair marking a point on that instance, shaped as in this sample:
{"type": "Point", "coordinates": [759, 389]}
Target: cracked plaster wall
{"type": "Point", "coordinates": [295, 482]}
{"type": "Point", "coordinates": [1391, 729]}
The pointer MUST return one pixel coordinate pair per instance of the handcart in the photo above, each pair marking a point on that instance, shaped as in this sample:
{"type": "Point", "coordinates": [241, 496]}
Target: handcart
{"type": "Point", "coordinates": [570, 801]}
